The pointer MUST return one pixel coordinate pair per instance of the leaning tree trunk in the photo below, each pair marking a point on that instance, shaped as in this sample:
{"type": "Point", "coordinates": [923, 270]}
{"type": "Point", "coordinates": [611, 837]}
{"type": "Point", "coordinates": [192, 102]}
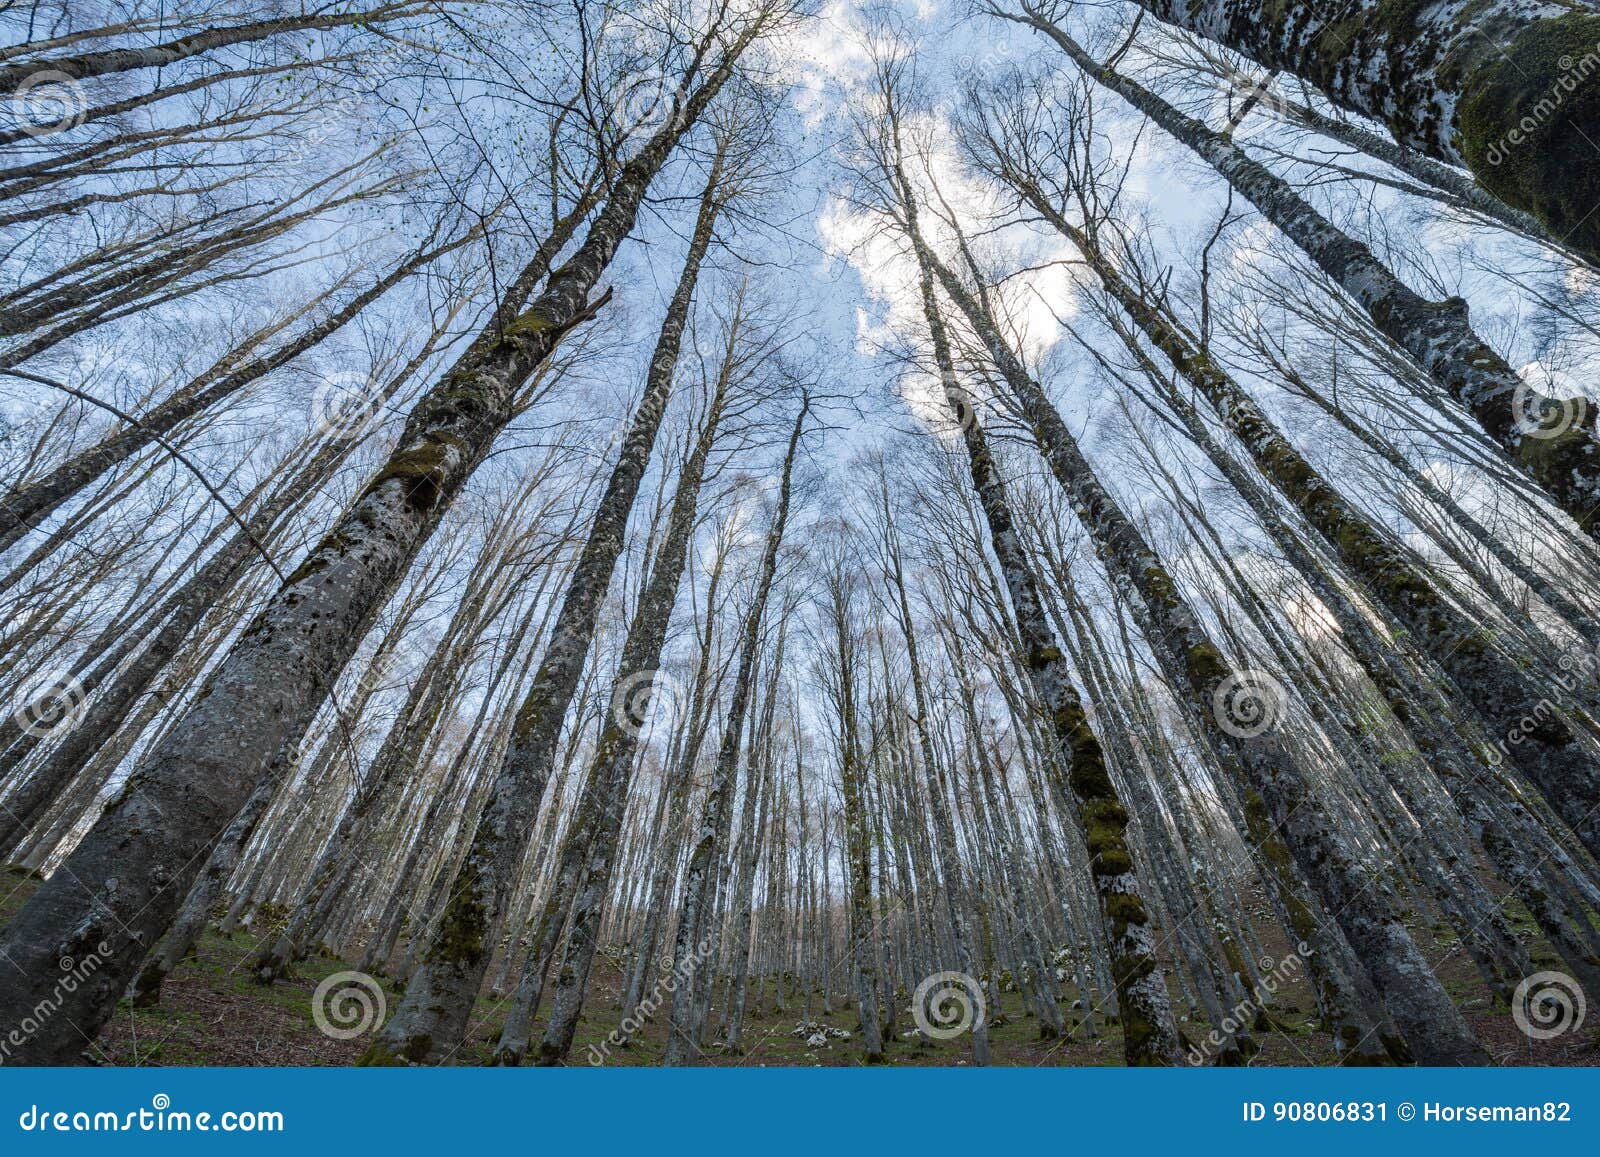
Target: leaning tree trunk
{"type": "Point", "coordinates": [954, 874]}
{"type": "Point", "coordinates": [694, 919]}
{"type": "Point", "coordinates": [192, 918]}
{"type": "Point", "coordinates": [432, 1019]}
{"type": "Point", "coordinates": [108, 62]}
{"type": "Point", "coordinates": [1501, 86]}
{"type": "Point", "coordinates": [1150, 1036]}
{"type": "Point", "coordinates": [1363, 906]}
{"type": "Point", "coordinates": [589, 849]}
{"type": "Point", "coordinates": [1344, 994]}
{"type": "Point", "coordinates": [24, 509]}
{"type": "Point", "coordinates": [1553, 756]}
{"type": "Point", "coordinates": [126, 879]}
{"type": "Point", "coordinates": [1554, 441]}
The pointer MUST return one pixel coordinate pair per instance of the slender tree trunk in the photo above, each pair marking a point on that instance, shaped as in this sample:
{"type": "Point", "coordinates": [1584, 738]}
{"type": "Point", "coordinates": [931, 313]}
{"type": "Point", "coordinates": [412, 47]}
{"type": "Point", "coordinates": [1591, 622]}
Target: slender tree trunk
{"type": "Point", "coordinates": [432, 1019]}
{"type": "Point", "coordinates": [1555, 442]}
{"type": "Point", "coordinates": [1150, 1036]}
{"type": "Point", "coordinates": [694, 938]}
{"type": "Point", "coordinates": [591, 843]}
{"type": "Point", "coordinates": [26, 508]}
{"type": "Point", "coordinates": [85, 65]}
{"type": "Point", "coordinates": [1423, 1011]}
{"type": "Point", "coordinates": [1502, 87]}
{"type": "Point", "coordinates": [131, 872]}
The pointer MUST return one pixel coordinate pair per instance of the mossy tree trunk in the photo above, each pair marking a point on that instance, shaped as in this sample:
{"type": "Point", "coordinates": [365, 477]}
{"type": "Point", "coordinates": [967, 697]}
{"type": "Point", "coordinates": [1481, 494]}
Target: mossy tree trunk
{"type": "Point", "coordinates": [1506, 88]}
{"type": "Point", "coordinates": [692, 958]}
{"type": "Point", "coordinates": [432, 1019]}
{"type": "Point", "coordinates": [1150, 1035]}
{"type": "Point", "coordinates": [1555, 442]}
{"type": "Point", "coordinates": [1541, 742]}
{"type": "Point", "coordinates": [589, 851]}
{"type": "Point", "coordinates": [127, 878]}
{"type": "Point", "coordinates": [109, 62]}
{"type": "Point", "coordinates": [1276, 787]}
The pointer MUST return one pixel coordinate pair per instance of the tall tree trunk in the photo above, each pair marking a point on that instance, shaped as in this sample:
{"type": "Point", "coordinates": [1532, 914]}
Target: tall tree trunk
{"type": "Point", "coordinates": [1537, 738]}
{"type": "Point", "coordinates": [589, 849]}
{"type": "Point", "coordinates": [129, 875]}
{"type": "Point", "coordinates": [1150, 1036]}
{"type": "Point", "coordinates": [24, 509]}
{"type": "Point", "coordinates": [107, 62]}
{"type": "Point", "coordinates": [1423, 1011]}
{"type": "Point", "coordinates": [1555, 442]}
{"type": "Point", "coordinates": [432, 1018]}
{"type": "Point", "coordinates": [1502, 87]}
{"type": "Point", "coordinates": [691, 944]}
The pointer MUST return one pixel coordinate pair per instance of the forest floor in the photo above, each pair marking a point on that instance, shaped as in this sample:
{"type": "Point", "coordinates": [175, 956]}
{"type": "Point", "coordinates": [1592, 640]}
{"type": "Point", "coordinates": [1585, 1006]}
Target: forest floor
{"type": "Point", "coordinates": [213, 1013]}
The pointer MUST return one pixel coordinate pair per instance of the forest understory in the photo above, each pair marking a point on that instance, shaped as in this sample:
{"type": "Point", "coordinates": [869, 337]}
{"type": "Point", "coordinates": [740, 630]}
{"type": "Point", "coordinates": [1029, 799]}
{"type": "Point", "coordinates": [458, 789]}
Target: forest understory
{"type": "Point", "coordinates": [213, 1012]}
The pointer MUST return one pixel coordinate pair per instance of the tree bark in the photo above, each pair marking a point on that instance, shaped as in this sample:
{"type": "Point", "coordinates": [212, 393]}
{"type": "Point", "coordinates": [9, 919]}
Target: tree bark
{"type": "Point", "coordinates": [1554, 442]}
{"type": "Point", "coordinates": [1502, 87]}
{"type": "Point", "coordinates": [131, 872]}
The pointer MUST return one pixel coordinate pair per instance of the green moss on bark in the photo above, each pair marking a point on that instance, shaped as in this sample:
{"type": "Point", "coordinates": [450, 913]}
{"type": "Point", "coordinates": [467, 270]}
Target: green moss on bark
{"type": "Point", "coordinates": [1529, 120]}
